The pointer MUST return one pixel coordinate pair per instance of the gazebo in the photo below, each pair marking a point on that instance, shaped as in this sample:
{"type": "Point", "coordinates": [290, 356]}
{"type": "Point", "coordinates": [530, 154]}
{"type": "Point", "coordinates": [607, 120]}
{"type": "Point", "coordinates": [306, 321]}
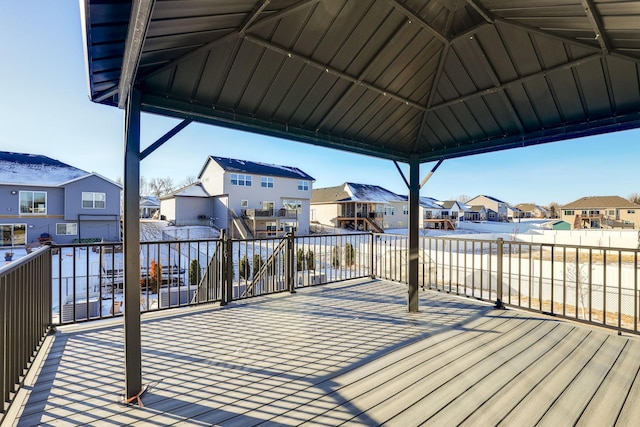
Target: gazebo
{"type": "Point", "coordinates": [406, 80]}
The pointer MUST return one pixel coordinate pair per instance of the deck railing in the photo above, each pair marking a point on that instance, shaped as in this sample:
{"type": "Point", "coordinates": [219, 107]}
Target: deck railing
{"type": "Point", "coordinates": [591, 284]}
{"type": "Point", "coordinates": [25, 318]}
{"type": "Point", "coordinates": [75, 283]}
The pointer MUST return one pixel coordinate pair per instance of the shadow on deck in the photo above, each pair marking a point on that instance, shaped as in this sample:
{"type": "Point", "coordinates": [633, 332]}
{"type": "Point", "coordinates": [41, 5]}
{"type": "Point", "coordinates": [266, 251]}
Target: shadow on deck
{"type": "Point", "coordinates": [346, 352]}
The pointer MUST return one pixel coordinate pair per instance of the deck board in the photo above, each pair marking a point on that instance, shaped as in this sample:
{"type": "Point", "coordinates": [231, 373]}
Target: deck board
{"type": "Point", "coordinates": [345, 353]}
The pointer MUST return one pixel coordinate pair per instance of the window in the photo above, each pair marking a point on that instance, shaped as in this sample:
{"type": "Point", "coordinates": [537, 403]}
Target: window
{"type": "Point", "coordinates": [594, 213]}
{"type": "Point", "coordinates": [241, 179]}
{"type": "Point", "coordinates": [303, 185]}
{"type": "Point", "coordinates": [492, 214]}
{"type": "Point", "coordinates": [568, 213]}
{"type": "Point", "coordinates": [405, 210]}
{"type": "Point", "coordinates": [93, 200]}
{"type": "Point", "coordinates": [271, 228]}
{"type": "Point", "coordinates": [267, 182]}
{"type": "Point", "coordinates": [69, 229]}
{"type": "Point", "coordinates": [33, 202]}
{"type": "Point", "coordinates": [631, 211]}
{"type": "Point", "coordinates": [13, 234]}
{"type": "Point", "coordinates": [388, 210]}
{"type": "Point", "coordinates": [400, 224]}
{"type": "Point", "coordinates": [612, 212]}
{"type": "Point", "coordinates": [292, 205]}
{"type": "Point", "coordinates": [244, 203]}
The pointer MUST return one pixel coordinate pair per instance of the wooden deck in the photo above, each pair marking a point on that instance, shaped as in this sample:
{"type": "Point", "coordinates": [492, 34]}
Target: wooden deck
{"type": "Point", "coordinates": [346, 353]}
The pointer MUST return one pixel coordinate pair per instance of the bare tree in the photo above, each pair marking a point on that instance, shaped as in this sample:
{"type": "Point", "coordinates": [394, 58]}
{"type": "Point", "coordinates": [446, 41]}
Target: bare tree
{"type": "Point", "coordinates": [634, 198]}
{"type": "Point", "coordinates": [463, 198]}
{"type": "Point", "coordinates": [554, 210]}
{"type": "Point", "coordinates": [579, 276]}
{"type": "Point", "coordinates": [191, 179]}
{"type": "Point", "coordinates": [160, 186]}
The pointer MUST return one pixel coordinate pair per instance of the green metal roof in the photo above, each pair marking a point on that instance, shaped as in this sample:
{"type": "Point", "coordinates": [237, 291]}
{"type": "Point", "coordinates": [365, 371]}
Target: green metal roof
{"type": "Point", "coordinates": [394, 79]}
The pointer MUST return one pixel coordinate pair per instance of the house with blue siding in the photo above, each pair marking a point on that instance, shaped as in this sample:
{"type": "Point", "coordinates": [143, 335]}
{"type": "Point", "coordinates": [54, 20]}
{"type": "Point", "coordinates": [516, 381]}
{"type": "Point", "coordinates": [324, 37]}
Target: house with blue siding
{"type": "Point", "coordinates": [44, 199]}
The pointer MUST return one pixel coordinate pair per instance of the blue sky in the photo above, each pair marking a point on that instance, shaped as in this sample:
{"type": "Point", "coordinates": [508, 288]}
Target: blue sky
{"type": "Point", "coordinates": [45, 109]}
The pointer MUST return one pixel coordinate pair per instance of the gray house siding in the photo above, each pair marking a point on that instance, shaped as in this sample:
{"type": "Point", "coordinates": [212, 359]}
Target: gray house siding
{"type": "Point", "coordinates": [93, 222]}
{"type": "Point", "coordinates": [193, 210]}
{"type": "Point", "coordinates": [90, 223]}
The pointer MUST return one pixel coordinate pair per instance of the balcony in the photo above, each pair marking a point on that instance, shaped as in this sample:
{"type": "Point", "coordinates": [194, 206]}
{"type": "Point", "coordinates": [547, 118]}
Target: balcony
{"type": "Point", "coordinates": [269, 213]}
{"type": "Point", "coordinates": [346, 351]}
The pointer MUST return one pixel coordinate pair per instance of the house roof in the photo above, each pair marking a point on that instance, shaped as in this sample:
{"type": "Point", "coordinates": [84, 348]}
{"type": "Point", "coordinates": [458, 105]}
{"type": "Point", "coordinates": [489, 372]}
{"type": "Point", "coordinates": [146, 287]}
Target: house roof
{"type": "Point", "coordinates": [395, 79]}
{"type": "Point", "coordinates": [149, 201]}
{"type": "Point", "coordinates": [601, 202]}
{"type": "Point", "coordinates": [448, 204]}
{"type": "Point", "coordinates": [330, 194]}
{"type": "Point", "coordinates": [35, 169]}
{"type": "Point", "coordinates": [257, 168]}
{"type": "Point", "coordinates": [353, 192]}
{"type": "Point", "coordinates": [528, 207]}
{"type": "Point", "coordinates": [192, 190]}
{"type": "Point", "coordinates": [476, 208]}
{"type": "Point", "coordinates": [490, 198]}
{"type": "Point", "coordinates": [429, 203]}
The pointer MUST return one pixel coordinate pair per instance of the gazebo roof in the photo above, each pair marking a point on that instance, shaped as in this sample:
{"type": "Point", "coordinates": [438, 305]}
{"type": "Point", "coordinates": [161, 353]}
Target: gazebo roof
{"type": "Point", "coordinates": [394, 79]}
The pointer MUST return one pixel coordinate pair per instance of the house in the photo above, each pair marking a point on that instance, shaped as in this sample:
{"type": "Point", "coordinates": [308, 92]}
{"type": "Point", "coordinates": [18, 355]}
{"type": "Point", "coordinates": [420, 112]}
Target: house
{"type": "Point", "coordinates": [190, 205]}
{"type": "Point", "coordinates": [476, 213]}
{"type": "Point", "coordinates": [531, 210]}
{"type": "Point", "coordinates": [248, 199]}
{"type": "Point", "coordinates": [601, 212]}
{"type": "Point", "coordinates": [360, 207]}
{"type": "Point", "coordinates": [497, 210]}
{"type": "Point", "coordinates": [437, 214]}
{"type": "Point", "coordinates": [149, 207]}
{"type": "Point", "coordinates": [44, 199]}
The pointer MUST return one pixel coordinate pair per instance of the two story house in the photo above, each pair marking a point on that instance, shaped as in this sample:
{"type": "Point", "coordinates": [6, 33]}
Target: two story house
{"type": "Point", "coordinates": [601, 212]}
{"type": "Point", "coordinates": [44, 199]}
{"type": "Point", "coordinates": [531, 210]}
{"type": "Point", "coordinates": [440, 214]}
{"type": "Point", "coordinates": [361, 207]}
{"type": "Point", "coordinates": [496, 210]}
{"type": "Point", "coordinates": [248, 199]}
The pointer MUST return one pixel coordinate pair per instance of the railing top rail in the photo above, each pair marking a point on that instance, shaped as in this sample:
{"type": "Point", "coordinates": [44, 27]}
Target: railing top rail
{"type": "Point", "coordinates": [23, 260]}
{"type": "Point", "coordinates": [462, 238]}
{"type": "Point", "coordinates": [150, 242]}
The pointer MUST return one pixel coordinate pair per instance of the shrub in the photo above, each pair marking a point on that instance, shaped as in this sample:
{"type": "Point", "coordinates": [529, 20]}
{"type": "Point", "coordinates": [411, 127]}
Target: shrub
{"type": "Point", "coordinates": [311, 264]}
{"type": "Point", "coordinates": [300, 261]}
{"type": "Point", "coordinates": [244, 268]}
{"type": "Point", "coordinates": [195, 274]}
{"type": "Point", "coordinates": [349, 255]}
{"type": "Point", "coordinates": [257, 264]}
{"type": "Point", "coordinates": [335, 256]}
{"type": "Point", "coordinates": [155, 276]}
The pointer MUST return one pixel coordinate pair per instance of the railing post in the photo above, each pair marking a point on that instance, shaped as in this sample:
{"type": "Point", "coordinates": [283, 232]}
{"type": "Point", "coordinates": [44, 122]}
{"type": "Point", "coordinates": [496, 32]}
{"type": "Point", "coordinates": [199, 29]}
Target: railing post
{"type": "Point", "coordinates": [291, 285]}
{"type": "Point", "coordinates": [371, 258]}
{"type": "Point", "coordinates": [227, 270]}
{"type": "Point", "coordinates": [499, 304]}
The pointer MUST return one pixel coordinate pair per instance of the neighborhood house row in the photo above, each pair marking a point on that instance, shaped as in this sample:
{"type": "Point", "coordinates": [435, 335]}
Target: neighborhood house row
{"type": "Point", "coordinates": [46, 200]}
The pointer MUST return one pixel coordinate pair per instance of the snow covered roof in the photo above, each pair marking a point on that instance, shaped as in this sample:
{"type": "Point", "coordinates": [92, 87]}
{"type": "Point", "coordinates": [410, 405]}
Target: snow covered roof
{"type": "Point", "coordinates": [352, 192]}
{"type": "Point", "coordinates": [429, 203]}
{"type": "Point", "coordinates": [149, 201]}
{"type": "Point", "coordinates": [34, 169]}
{"type": "Point", "coordinates": [256, 168]}
{"type": "Point", "coordinates": [193, 190]}
{"type": "Point", "coordinates": [371, 193]}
